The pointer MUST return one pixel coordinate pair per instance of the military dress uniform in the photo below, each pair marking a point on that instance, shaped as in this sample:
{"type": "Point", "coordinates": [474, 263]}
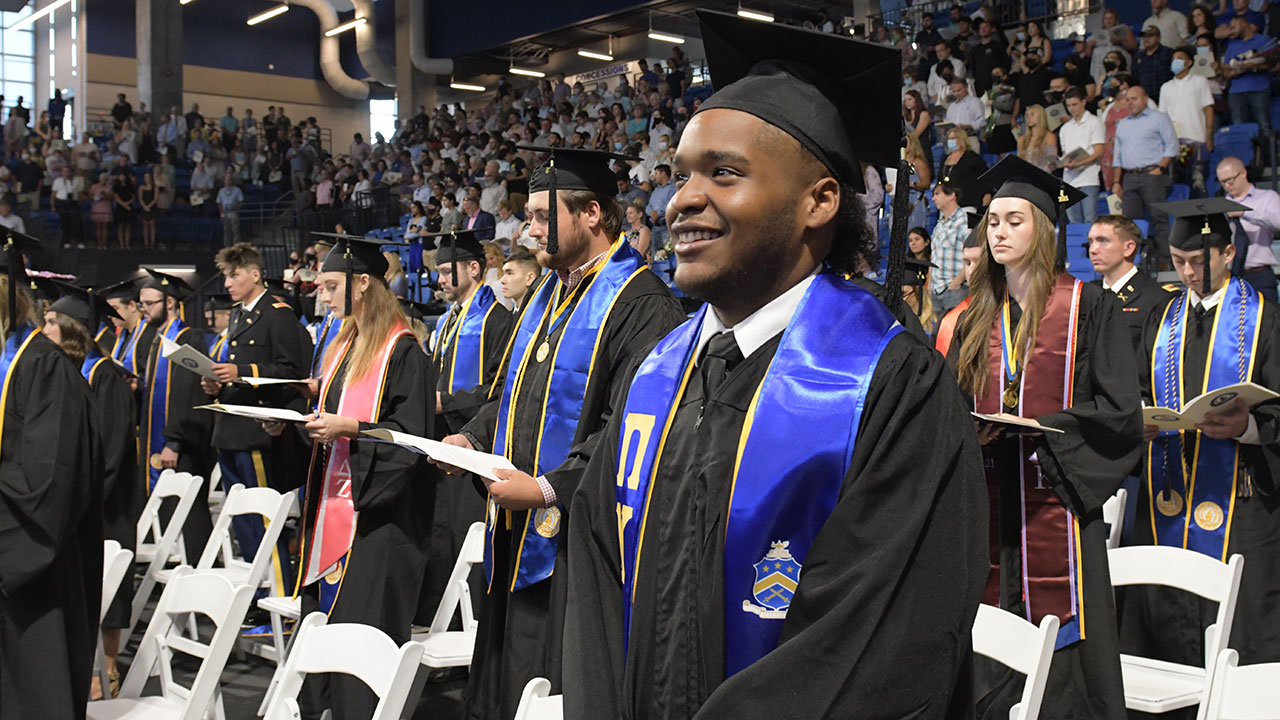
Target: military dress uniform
{"type": "Point", "coordinates": [262, 341]}
{"type": "Point", "coordinates": [1140, 295]}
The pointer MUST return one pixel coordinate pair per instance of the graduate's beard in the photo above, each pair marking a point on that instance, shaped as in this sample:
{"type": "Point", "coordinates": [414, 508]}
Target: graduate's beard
{"type": "Point", "coordinates": [753, 263]}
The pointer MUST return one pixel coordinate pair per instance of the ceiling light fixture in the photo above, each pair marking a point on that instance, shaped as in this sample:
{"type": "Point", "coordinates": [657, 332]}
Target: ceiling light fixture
{"type": "Point", "coordinates": [597, 55]}
{"type": "Point", "coordinates": [665, 37]}
{"type": "Point", "coordinates": [46, 10]}
{"type": "Point", "coordinates": [348, 25]}
{"type": "Point", "coordinates": [527, 73]}
{"type": "Point", "coordinates": [268, 14]}
{"type": "Point", "coordinates": [466, 86]}
{"type": "Point", "coordinates": [754, 14]}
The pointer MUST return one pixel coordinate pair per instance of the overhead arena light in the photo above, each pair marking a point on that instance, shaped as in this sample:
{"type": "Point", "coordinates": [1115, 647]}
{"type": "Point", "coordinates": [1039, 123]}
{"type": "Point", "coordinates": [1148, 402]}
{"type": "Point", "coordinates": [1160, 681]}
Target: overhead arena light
{"type": "Point", "coordinates": [42, 12]}
{"type": "Point", "coordinates": [268, 14]}
{"type": "Point", "coordinates": [665, 37]}
{"type": "Point", "coordinates": [511, 68]}
{"type": "Point", "coordinates": [466, 86]}
{"type": "Point", "coordinates": [754, 14]}
{"type": "Point", "coordinates": [348, 25]}
{"type": "Point", "coordinates": [594, 55]}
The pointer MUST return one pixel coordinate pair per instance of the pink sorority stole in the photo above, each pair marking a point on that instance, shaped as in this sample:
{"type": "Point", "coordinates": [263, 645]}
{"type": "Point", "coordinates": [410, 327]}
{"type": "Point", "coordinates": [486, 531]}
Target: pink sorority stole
{"type": "Point", "coordinates": [335, 520]}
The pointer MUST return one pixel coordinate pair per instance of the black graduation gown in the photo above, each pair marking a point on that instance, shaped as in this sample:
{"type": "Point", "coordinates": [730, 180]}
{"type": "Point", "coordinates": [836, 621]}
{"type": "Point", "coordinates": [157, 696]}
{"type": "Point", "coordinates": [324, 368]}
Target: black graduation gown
{"type": "Point", "coordinates": [910, 321]}
{"type": "Point", "coordinates": [122, 490]}
{"type": "Point", "coordinates": [457, 503]}
{"type": "Point", "coordinates": [1141, 298]}
{"type": "Point", "coordinates": [187, 432]}
{"type": "Point", "coordinates": [519, 635]}
{"type": "Point", "coordinates": [50, 538]}
{"type": "Point", "coordinates": [1085, 465]}
{"type": "Point", "coordinates": [1170, 624]}
{"type": "Point", "coordinates": [868, 633]}
{"type": "Point", "coordinates": [394, 494]}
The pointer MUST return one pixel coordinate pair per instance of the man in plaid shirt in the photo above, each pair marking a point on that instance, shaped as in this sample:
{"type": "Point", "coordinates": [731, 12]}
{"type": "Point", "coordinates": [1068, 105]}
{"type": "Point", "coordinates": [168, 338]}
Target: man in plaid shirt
{"type": "Point", "coordinates": [948, 246]}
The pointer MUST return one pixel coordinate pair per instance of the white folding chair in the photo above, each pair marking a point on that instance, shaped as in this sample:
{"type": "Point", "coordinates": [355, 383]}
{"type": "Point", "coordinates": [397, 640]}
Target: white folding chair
{"type": "Point", "coordinates": [1251, 692]}
{"type": "Point", "coordinates": [1015, 643]}
{"type": "Point", "coordinates": [216, 495]}
{"type": "Point", "coordinates": [167, 546]}
{"type": "Point", "coordinates": [351, 649]}
{"type": "Point", "coordinates": [115, 567]}
{"type": "Point", "coordinates": [1113, 516]}
{"type": "Point", "coordinates": [280, 609]}
{"type": "Point", "coordinates": [1156, 686]}
{"type": "Point", "coordinates": [445, 648]}
{"type": "Point", "coordinates": [536, 702]}
{"type": "Point", "coordinates": [187, 592]}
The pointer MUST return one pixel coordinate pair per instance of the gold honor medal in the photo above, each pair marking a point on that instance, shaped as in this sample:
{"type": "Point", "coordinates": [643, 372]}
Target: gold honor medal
{"type": "Point", "coordinates": [1169, 503]}
{"type": "Point", "coordinates": [156, 462]}
{"type": "Point", "coordinates": [1011, 396]}
{"type": "Point", "coordinates": [1209, 515]}
{"type": "Point", "coordinates": [543, 351]}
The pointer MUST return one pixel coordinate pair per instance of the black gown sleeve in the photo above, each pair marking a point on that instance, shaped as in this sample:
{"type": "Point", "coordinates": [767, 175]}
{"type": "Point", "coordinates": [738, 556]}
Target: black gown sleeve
{"type": "Point", "coordinates": [868, 619]}
{"type": "Point", "coordinates": [48, 465]}
{"type": "Point", "coordinates": [1102, 430]}
{"type": "Point", "coordinates": [1263, 459]}
{"type": "Point", "coordinates": [640, 324]}
{"type": "Point", "coordinates": [117, 421]}
{"type": "Point", "coordinates": [187, 430]}
{"type": "Point", "coordinates": [377, 468]}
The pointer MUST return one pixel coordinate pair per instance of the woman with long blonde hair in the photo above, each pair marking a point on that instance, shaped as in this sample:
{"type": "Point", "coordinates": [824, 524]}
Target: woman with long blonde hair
{"type": "Point", "coordinates": [368, 515]}
{"type": "Point", "coordinates": [1037, 145]}
{"type": "Point", "coordinates": [1050, 355]}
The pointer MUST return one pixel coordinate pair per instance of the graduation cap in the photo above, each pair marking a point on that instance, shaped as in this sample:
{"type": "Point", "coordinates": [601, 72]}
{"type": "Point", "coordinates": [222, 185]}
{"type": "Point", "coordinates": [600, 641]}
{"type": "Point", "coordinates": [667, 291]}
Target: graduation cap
{"type": "Point", "coordinates": [84, 306]}
{"type": "Point", "coordinates": [170, 285]}
{"type": "Point", "coordinates": [974, 239]}
{"type": "Point", "coordinates": [414, 310]}
{"type": "Point", "coordinates": [461, 245]}
{"type": "Point", "coordinates": [276, 287]}
{"type": "Point", "coordinates": [220, 302]}
{"type": "Point", "coordinates": [16, 245]}
{"type": "Point", "coordinates": [1015, 177]}
{"type": "Point", "coordinates": [43, 288]}
{"type": "Point", "coordinates": [917, 271]}
{"type": "Point", "coordinates": [126, 289]}
{"type": "Point", "coordinates": [571, 169]}
{"type": "Point", "coordinates": [355, 255]}
{"type": "Point", "coordinates": [1200, 225]}
{"type": "Point", "coordinates": [814, 86]}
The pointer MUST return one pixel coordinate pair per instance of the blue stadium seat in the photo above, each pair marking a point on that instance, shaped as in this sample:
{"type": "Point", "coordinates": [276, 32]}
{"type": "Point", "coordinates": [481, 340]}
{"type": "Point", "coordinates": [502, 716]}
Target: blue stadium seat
{"type": "Point", "coordinates": [1143, 227]}
{"type": "Point", "coordinates": [990, 159]}
{"type": "Point", "coordinates": [938, 151]}
{"type": "Point", "coordinates": [1178, 192]}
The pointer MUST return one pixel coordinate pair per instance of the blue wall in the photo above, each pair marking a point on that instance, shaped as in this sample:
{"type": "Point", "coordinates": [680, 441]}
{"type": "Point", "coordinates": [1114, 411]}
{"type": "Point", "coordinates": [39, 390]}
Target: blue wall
{"type": "Point", "coordinates": [214, 35]}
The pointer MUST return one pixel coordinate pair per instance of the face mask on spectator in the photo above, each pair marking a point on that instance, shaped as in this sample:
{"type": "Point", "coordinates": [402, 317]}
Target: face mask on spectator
{"type": "Point", "coordinates": [1178, 65]}
{"type": "Point", "coordinates": [1032, 63]}
{"type": "Point", "coordinates": [1022, 36]}
{"type": "Point", "coordinates": [617, 146]}
{"type": "Point", "coordinates": [1204, 50]}
{"type": "Point", "coordinates": [1109, 65]}
{"type": "Point", "coordinates": [952, 145]}
{"type": "Point", "coordinates": [663, 144]}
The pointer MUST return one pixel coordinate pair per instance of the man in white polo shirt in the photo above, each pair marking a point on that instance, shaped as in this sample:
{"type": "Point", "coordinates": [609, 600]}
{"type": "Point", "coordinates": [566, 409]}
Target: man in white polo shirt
{"type": "Point", "coordinates": [1085, 133]}
{"type": "Point", "coordinates": [1188, 102]}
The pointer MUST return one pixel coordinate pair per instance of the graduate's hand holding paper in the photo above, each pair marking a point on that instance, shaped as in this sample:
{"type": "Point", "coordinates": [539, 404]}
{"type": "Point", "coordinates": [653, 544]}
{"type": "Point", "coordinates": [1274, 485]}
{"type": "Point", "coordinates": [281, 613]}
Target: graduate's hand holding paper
{"type": "Point", "coordinates": [210, 387]}
{"type": "Point", "coordinates": [327, 427]}
{"type": "Point", "coordinates": [457, 440]}
{"type": "Point", "coordinates": [1226, 423]}
{"type": "Point", "coordinates": [225, 372]}
{"type": "Point", "coordinates": [517, 491]}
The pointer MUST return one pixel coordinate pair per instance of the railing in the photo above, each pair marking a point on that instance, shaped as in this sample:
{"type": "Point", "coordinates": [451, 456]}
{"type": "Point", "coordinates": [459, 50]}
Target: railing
{"type": "Point", "coordinates": [99, 123]}
{"type": "Point", "coordinates": [1007, 13]}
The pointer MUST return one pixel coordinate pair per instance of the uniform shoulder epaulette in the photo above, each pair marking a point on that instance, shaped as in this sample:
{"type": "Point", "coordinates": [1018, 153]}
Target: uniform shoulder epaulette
{"type": "Point", "coordinates": [1170, 287]}
{"type": "Point", "coordinates": [286, 306]}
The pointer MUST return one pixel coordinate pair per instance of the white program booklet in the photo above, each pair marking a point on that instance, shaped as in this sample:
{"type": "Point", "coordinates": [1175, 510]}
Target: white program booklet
{"type": "Point", "coordinates": [1015, 424]}
{"type": "Point", "coordinates": [262, 414]}
{"type": "Point", "coordinates": [480, 463]}
{"type": "Point", "coordinates": [187, 357]}
{"type": "Point", "coordinates": [1197, 408]}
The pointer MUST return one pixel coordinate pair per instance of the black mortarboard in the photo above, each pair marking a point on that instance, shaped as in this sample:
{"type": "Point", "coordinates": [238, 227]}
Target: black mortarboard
{"type": "Point", "coordinates": [355, 255]}
{"type": "Point", "coordinates": [974, 238]}
{"type": "Point", "coordinates": [1015, 177]}
{"type": "Point", "coordinates": [454, 246]}
{"type": "Point", "coordinates": [276, 287]}
{"type": "Point", "coordinates": [126, 289]}
{"type": "Point", "coordinates": [171, 285]}
{"type": "Point", "coordinates": [571, 169]}
{"type": "Point", "coordinates": [16, 245]}
{"type": "Point", "coordinates": [415, 310]}
{"type": "Point", "coordinates": [816, 87]}
{"type": "Point", "coordinates": [1200, 225]}
{"type": "Point", "coordinates": [917, 271]}
{"type": "Point", "coordinates": [220, 302]}
{"type": "Point", "coordinates": [43, 288]}
{"type": "Point", "coordinates": [84, 306]}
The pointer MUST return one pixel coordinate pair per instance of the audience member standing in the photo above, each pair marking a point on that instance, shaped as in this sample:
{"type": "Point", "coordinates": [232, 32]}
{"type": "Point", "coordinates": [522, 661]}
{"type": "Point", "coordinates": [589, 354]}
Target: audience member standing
{"type": "Point", "coordinates": [1113, 37]}
{"type": "Point", "coordinates": [663, 190]}
{"type": "Point", "coordinates": [1252, 229]}
{"type": "Point", "coordinates": [68, 191]}
{"type": "Point", "coordinates": [1145, 147]}
{"type": "Point", "coordinates": [961, 167]}
{"type": "Point", "coordinates": [965, 109]}
{"type": "Point", "coordinates": [1188, 102]}
{"type": "Point", "coordinates": [947, 246]}
{"type": "Point", "coordinates": [1171, 24]}
{"type": "Point", "coordinates": [1250, 95]}
{"type": "Point", "coordinates": [1152, 65]}
{"type": "Point", "coordinates": [1084, 133]}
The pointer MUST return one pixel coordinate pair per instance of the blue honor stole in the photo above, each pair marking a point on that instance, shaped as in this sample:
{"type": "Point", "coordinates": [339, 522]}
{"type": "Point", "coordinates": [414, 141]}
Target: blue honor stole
{"type": "Point", "coordinates": [572, 364]}
{"type": "Point", "coordinates": [126, 348]}
{"type": "Point", "coordinates": [216, 344]}
{"type": "Point", "coordinates": [1192, 507]}
{"type": "Point", "coordinates": [14, 346]}
{"type": "Point", "coordinates": [92, 360]}
{"type": "Point", "coordinates": [467, 335]}
{"type": "Point", "coordinates": [783, 491]}
{"type": "Point", "coordinates": [157, 407]}
{"type": "Point", "coordinates": [325, 335]}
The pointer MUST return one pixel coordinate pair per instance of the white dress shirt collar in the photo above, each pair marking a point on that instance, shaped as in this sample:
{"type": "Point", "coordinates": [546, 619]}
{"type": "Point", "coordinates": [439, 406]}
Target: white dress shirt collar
{"type": "Point", "coordinates": [1210, 302]}
{"type": "Point", "coordinates": [249, 306]}
{"type": "Point", "coordinates": [758, 327]}
{"type": "Point", "coordinates": [1122, 282]}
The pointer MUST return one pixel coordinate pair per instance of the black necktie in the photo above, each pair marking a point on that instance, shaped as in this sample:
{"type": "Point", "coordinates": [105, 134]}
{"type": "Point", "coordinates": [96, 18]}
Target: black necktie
{"type": "Point", "coordinates": [720, 356]}
{"type": "Point", "coordinates": [237, 317]}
